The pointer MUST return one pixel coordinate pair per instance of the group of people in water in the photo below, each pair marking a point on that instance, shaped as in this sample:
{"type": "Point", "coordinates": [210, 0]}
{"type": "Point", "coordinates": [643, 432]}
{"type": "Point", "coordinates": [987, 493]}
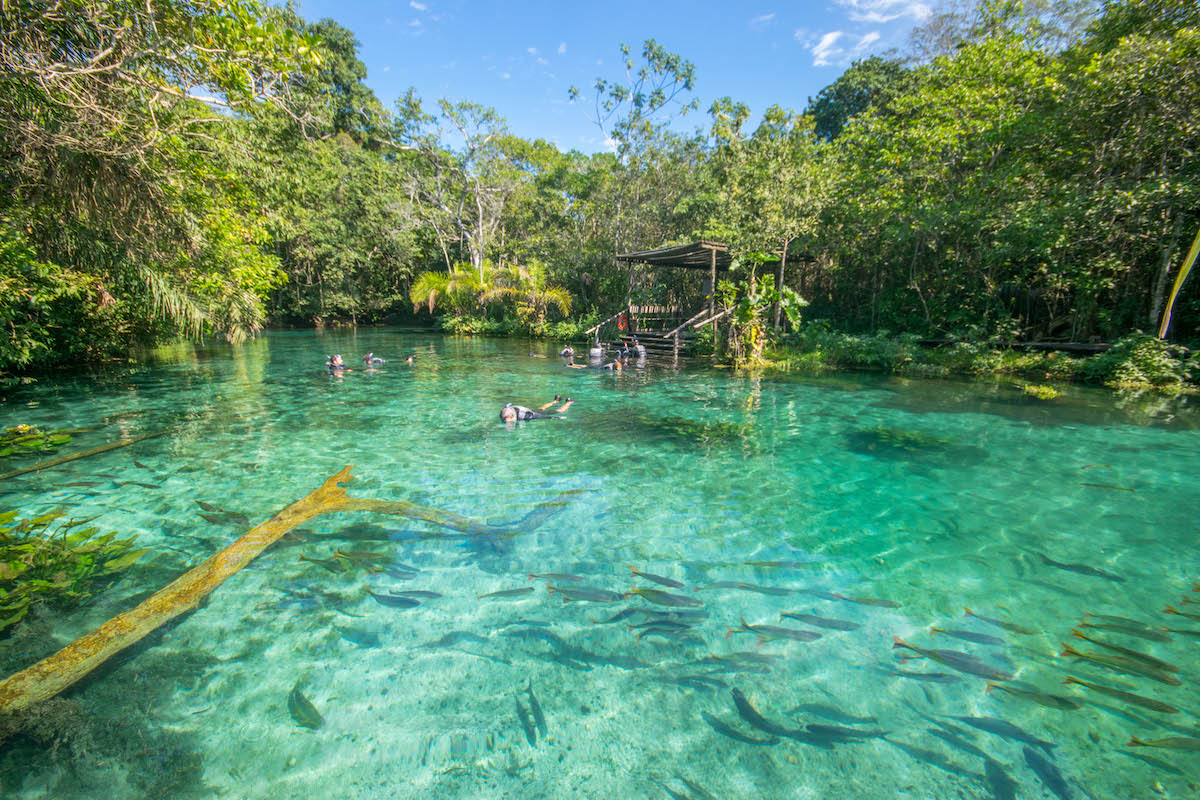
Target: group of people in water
{"type": "Point", "coordinates": [336, 365]}
{"type": "Point", "coordinates": [515, 413]}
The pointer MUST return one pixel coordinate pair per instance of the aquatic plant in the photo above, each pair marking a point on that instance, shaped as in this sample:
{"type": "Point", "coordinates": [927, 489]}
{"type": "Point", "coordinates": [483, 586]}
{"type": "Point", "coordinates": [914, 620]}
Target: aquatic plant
{"type": "Point", "coordinates": [41, 562]}
{"type": "Point", "coordinates": [882, 437]}
{"type": "Point", "coordinates": [1040, 391]}
{"type": "Point", "coordinates": [29, 439]}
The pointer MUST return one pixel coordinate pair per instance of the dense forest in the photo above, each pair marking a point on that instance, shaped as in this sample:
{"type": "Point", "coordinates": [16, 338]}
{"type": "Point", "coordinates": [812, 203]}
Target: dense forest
{"type": "Point", "coordinates": [1023, 170]}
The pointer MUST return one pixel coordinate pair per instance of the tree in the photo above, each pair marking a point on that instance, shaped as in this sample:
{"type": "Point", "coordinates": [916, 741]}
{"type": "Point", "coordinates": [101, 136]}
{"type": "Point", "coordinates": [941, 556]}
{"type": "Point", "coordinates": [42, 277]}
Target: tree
{"type": "Point", "coordinates": [867, 85]}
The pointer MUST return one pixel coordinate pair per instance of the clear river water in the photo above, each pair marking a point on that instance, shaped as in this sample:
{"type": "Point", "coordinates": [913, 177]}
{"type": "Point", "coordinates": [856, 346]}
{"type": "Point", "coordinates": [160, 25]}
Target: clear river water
{"type": "Point", "coordinates": [870, 509]}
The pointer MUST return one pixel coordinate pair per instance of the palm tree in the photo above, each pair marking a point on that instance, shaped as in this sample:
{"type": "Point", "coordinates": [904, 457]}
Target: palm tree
{"type": "Point", "coordinates": [459, 288]}
{"type": "Point", "coordinates": [526, 286]}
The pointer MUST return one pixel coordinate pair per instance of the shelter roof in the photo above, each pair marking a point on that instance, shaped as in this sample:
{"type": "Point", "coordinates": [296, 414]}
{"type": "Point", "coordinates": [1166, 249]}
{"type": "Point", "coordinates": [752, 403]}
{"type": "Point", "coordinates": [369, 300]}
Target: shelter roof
{"type": "Point", "coordinates": [695, 255]}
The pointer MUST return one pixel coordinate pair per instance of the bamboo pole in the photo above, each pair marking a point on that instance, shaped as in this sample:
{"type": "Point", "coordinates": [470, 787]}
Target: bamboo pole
{"type": "Point", "coordinates": [54, 462]}
{"type": "Point", "coordinates": [1179, 279]}
{"type": "Point", "coordinates": [56, 673]}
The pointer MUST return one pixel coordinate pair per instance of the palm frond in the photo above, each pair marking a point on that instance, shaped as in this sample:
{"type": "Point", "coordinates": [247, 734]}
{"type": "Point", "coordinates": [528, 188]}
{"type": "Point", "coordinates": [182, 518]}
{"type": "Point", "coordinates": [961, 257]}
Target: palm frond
{"type": "Point", "coordinates": [173, 302]}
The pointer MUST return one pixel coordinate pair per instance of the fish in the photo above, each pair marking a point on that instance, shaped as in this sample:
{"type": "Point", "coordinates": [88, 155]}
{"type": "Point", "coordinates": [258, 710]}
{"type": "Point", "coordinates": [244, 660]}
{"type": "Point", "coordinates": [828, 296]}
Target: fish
{"type": "Point", "coordinates": [393, 601]}
{"type": "Point", "coordinates": [821, 622]}
{"type": "Point", "coordinates": [741, 658]}
{"type": "Point", "coordinates": [331, 564]}
{"type": "Point", "coordinates": [1157, 763]}
{"type": "Point", "coordinates": [1137, 623]}
{"type": "Point", "coordinates": [1183, 632]}
{"type": "Point", "coordinates": [1005, 730]}
{"type": "Point", "coordinates": [821, 593]}
{"type": "Point", "coordinates": [536, 709]}
{"type": "Point", "coordinates": [1012, 627]}
{"type": "Point", "coordinates": [359, 637]}
{"type": "Point", "coordinates": [674, 794]}
{"type": "Point", "coordinates": [870, 601]}
{"type": "Point", "coordinates": [1123, 664]}
{"type": "Point", "coordinates": [749, 713]}
{"type": "Point", "coordinates": [585, 594]}
{"type": "Point", "coordinates": [418, 593]}
{"type": "Point", "coordinates": [84, 484]}
{"type": "Point", "coordinates": [504, 593]}
{"type": "Point", "coordinates": [968, 636]}
{"type": "Point", "coordinates": [769, 633]}
{"type": "Point", "coordinates": [619, 616]}
{"type": "Point", "coordinates": [931, 677]}
{"type": "Point", "coordinates": [1080, 569]}
{"type": "Point", "coordinates": [833, 714]}
{"type": "Point", "coordinates": [780, 564]}
{"type": "Point", "coordinates": [1127, 697]}
{"type": "Point", "coordinates": [1171, 743]}
{"type": "Point", "coordinates": [1045, 769]}
{"type": "Point", "coordinates": [526, 722]}
{"type": "Point", "coordinates": [213, 518]}
{"type": "Point", "coordinates": [455, 637]}
{"type": "Point", "coordinates": [208, 506]}
{"type": "Point", "coordinates": [665, 598]}
{"type": "Point", "coordinates": [1141, 633]}
{"type": "Point", "coordinates": [302, 710]}
{"type": "Point", "coordinates": [963, 662]}
{"type": "Point", "coordinates": [726, 730]}
{"type": "Point", "coordinates": [1002, 785]}
{"type": "Point", "coordinates": [774, 591]}
{"type": "Point", "coordinates": [704, 682]}
{"type": "Point", "coordinates": [838, 733]}
{"type": "Point", "coordinates": [935, 759]}
{"type": "Point", "coordinates": [1108, 486]}
{"type": "Point", "coordinates": [659, 579]}
{"type": "Point", "coordinates": [140, 465]}
{"type": "Point", "coordinates": [720, 585]}
{"type": "Point", "coordinates": [556, 576]}
{"type": "Point", "coordinates": [957, 743]}
{"type": "Point", "coordinates": [1157, 663]}
{"type": "Point", "coordinates": [1177, 612]}
{"type": "Point", "coordinates": [138, 483]}
{"type": "Point", "coordinates": [1055, 701]}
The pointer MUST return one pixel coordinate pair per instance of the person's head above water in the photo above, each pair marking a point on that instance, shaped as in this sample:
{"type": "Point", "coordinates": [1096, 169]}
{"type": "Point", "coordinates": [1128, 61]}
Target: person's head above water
{"type": "Point", "coordinates": [508, 413]}
{"type": "Point", "coordinates": [336, 361]}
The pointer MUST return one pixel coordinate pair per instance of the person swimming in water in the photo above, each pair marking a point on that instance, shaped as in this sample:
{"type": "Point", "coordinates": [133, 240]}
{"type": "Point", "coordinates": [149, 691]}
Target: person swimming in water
{"type": "Point", "coordinates": [557, 399]}
{"type": "Point", "coordinates": [335, 362]}
{"type": "Point", "coordinates": [639, 349]}
{"type": "Point", "coordinates": [370, 359]}
{"type": "Point", "coordinates": [597, 352]}
{"type": "Point", "coordinates": [511, 413]}
{"type": "Point", "coordinates": [568, 355]}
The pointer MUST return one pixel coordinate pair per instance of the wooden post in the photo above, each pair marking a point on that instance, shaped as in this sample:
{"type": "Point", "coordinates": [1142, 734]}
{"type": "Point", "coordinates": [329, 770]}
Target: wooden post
{"type": "Point", "coordinates": [712, 297]}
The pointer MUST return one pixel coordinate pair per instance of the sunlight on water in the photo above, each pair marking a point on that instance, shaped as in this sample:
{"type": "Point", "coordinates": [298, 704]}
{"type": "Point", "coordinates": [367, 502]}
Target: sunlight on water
{"type": "Point", "coordinates": [882, 506]}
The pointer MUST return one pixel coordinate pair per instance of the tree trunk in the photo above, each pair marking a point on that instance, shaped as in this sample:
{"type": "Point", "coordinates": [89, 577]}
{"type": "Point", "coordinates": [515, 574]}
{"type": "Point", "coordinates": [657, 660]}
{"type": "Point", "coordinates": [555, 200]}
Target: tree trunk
{"type": "Point", "coordinates": [779, 280]}
{"type": "Point", "coordinates": [1164, 274]}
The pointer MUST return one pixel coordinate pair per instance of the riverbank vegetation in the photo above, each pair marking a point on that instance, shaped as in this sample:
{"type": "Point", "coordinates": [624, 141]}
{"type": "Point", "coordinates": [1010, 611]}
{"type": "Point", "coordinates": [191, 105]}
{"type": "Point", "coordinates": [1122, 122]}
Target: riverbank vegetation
{"type": "Point", "coordinates": [1024, 171]}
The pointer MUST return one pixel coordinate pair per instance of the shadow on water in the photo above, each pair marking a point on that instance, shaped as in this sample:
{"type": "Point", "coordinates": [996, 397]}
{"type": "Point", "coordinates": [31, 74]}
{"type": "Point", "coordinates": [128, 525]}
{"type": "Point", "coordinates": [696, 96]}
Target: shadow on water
{"type": "Point", "coordinates": [1075, 405]}
{"type": "Point", "coordinates": [914, 445]}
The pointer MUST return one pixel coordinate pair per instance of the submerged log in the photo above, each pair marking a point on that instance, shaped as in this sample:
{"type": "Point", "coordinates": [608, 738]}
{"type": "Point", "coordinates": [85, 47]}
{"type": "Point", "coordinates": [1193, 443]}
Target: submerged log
{"type": "Point", "coordinates": [54, 462]}
{"type": "Point", "coordinates": [56, 673]}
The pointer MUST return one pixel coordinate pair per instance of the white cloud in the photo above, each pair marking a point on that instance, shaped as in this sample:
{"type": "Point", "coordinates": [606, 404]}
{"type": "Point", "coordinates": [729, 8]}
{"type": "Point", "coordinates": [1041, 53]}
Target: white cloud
{"type": "Point", "coordinates": [761, 21]}
{"type": "Point", "coordinates": [865, 42]}
{"type": "Point", "coordinates": [505, 76]}
{"type": "Point", "coordinates": [610, 144]}
{"type": "Point", "coordinates": [805, 37]}
{"type": "Point", "coordinates": [543, 61]}
{"type": "Point", "coordinates": [533, 51]}
{"type": "Point", "coordinates": [826, 50]}
{"type": "Point", "coordinates": [562, 48]}
{"type": "Point", "coordinates": [879, 11]}
{"type": "Point", "coordinates": [416, 23]}
{"type": "Point", "coordinates": [418, 6]}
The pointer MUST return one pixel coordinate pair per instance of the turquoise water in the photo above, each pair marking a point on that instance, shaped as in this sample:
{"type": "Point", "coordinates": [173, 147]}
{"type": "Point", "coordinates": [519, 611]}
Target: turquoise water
{"type": "Point", "coordinates": [687, 473]}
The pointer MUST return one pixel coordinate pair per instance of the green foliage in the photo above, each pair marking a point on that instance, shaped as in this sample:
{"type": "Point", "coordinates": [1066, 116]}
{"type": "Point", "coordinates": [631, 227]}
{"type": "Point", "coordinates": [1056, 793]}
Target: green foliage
{"type": "Point", "coordinates": [29, 439]}
{"type": "Point", "coordinates": [1141, 360]}
{"type": "Point", "coordinates": [42, 562]}
{"type": "Point", "coordinates": [867, 85]}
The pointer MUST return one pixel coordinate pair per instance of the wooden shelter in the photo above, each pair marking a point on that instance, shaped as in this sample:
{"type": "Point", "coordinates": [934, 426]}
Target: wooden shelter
{"type": "Point", "coordinates": [702, 255]}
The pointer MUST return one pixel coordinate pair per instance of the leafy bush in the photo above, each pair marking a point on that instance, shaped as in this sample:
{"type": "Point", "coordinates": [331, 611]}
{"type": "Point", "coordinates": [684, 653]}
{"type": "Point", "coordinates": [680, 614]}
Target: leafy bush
{"type": "Point", "coordinates": [1140, 360]}
{"type": "Point", "coordinates": [55, 567]}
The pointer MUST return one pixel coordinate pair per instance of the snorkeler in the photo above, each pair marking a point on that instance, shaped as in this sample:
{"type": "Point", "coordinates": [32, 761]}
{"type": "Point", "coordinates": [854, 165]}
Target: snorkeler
{"type": "Point", "coordinates": [411, 359]}
{"type": "Point", "coordinates": [371, 359]}
{"type": "Point", "coordinates": [639, 349]}
{"type": "Point", "coordinates": [335, 363]}
{"type": "Point", "coordinates": [563, 408]}
{"type": "Point", "coordinates": [511, 413]}
{"type": "Point", "coordinates": [597, 352]}
{"type": "Point", "coordinates": [568, 355]}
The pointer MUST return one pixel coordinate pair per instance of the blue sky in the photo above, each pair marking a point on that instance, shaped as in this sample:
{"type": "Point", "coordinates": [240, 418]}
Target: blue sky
{"type": "Point", "coordinates": [521, 57]}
